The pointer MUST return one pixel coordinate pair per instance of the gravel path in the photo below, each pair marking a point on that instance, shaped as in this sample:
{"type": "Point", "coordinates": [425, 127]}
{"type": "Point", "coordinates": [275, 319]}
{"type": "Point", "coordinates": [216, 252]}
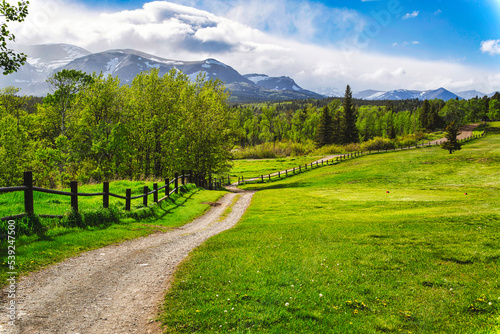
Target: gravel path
{"type": "Point", "coordinates": [116, 289]}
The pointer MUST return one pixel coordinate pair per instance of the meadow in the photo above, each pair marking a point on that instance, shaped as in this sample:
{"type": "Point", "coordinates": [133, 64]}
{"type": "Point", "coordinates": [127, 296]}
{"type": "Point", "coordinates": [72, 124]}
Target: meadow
{"type": "Point", "coordinates": [59, 242]}
{"type": "Point", "coordinates": [398, 242]}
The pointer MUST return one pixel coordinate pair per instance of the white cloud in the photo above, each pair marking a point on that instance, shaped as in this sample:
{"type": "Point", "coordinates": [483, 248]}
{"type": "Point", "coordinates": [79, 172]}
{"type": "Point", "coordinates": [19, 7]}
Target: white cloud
{"type": "Point", "coordinates": [239, 39]}
{"type": "Point", "coordinates": [437, 12]}
{"type": "Point", "coordinates": [411, 15]}
{"type": "Point", "coordinates": [491, 46]}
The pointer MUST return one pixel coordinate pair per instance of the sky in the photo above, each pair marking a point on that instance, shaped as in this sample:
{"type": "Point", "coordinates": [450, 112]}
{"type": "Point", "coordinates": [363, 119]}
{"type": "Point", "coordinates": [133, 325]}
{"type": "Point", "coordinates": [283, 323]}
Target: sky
{"type": "Point", "coordinates": [323, 45]}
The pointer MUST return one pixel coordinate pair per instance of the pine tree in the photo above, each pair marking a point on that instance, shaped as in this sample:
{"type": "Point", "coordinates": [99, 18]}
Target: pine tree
{"type": "Point", "coordinates": [425, 112]}
{"type": "Point", "coordinates": [325, 128]}
{"type": "Point", "coordinates": [349, 129]}
{"type": "Point", "coordinates": [452, 132]}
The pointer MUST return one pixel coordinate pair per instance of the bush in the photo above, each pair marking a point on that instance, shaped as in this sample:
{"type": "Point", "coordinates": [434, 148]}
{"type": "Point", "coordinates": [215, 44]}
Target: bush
{"type": "Point", "coordinates": [274, 150]}
{"type": "Point", "coordinates": [35, 225]}
{"type": "Point", "coordinates": [378, 143]}
{"type": "Point", "coordinates": [72, 219]}
{"type": "Point", "coordinates": [101, 217]}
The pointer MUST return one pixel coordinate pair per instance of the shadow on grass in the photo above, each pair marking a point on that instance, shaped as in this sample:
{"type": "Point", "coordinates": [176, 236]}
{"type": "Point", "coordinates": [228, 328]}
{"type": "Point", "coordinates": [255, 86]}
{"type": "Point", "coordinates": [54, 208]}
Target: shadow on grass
{"type": "Point", "coordinates": [178, 202]}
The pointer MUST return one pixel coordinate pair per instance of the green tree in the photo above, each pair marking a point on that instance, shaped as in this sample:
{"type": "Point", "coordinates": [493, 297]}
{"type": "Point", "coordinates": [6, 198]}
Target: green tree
{"type": "Point", "coordinates": [349, 129]}
{"type": "Point", "coordinates": [9, 60]}
{"type": "Point", "coordinates": [425, 115]}
{"type": "Point", "coordinates": [452, 133]}
{"type": "Point", "coordinates": [325, 128]}
{"type": "Point", "coordinates": [65, 85]}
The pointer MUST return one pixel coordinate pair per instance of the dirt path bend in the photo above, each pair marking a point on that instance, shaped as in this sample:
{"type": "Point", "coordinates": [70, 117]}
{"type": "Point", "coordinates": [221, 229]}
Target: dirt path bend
{"type": "Point", "coordinates": [116, 289]}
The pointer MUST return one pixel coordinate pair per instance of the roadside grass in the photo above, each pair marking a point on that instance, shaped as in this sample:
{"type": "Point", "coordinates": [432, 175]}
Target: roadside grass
{"type": "Point", "coordinates": [257, 167]}
{"type": "Point", "coordinates": [36, 251]}
{"type": "Point", "coordinates": [398, 242]}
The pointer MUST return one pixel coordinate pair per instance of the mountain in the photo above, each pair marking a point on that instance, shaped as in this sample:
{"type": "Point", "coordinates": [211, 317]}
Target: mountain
{"type": "Point", "coordinates": [44, 60]}
{"type": "Point", "coordinates": [279, 84]}
{"type": "Point", "coordinates": [470, 94]}
{"type": "Point", "coordinates": [405, 94]}
{"type": "Point", "coordinates": [369, 94]}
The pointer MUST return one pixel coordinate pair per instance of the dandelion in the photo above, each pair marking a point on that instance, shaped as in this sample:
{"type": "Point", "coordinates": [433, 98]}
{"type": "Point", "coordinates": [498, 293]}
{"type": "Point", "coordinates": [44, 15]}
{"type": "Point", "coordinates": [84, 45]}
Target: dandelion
{"type": "Point", "coordinates": [292, 286]}
{"type": "Point", "coordinates": [320, 295]}
{"type": "Point", "coordinates": [287, 304]}
{"type": "Point", "coordinates": [356, 311]}
{"type": "Point", "coordinates": [225, 311]}
{"type": "Point", "coordinates": [489, 303]}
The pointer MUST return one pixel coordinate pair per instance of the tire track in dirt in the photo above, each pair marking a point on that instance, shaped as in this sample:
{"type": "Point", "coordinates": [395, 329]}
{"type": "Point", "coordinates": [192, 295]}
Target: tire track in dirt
{"type": "Point", "coordinates": [114, 289]}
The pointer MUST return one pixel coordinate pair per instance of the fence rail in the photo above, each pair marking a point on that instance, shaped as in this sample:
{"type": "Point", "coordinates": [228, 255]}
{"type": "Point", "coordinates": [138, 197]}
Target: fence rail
{"type": "Point", "coordinates": [298, 170]}
{"type": "Point", "coordinates": [178, 182]}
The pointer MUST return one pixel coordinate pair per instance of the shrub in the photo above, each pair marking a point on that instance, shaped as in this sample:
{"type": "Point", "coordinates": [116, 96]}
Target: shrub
{"type": "Point", "coordinates": [101, 217]}
{"type": "Point", "coordinates": [378, 143]}
{"type": "Point", "coordinates": [72, 219]}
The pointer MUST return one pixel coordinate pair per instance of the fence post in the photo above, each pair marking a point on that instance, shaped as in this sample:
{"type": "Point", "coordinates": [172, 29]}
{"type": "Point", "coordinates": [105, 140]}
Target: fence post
{"type": "Point", "coordinates": [105, 197]}
{"type": "Point", "coordinates": [305, 166]}
{"type": "Point", "coordinates": [128, 194]}
{"type": "Point", "coordinates": [167, 186]}
{"type": "Point", "coordinates": [300, 169]}
{"type": "Point", "coordinates": [279, 175]}
{"type": "Point", "coordinates": [228, 180]}
{"type": "Point", "coordinates": [145, 198]}
{"type": "Point", "coordinates": [269, 177]}
{"type": "Point", "coordinates": [176, 183]}
{"type": "Point", "coordinates": [262, 178]}
{"type": "Point", "coordinates": [183, 176]}
{"type": "Point", "coordinates": [28, 193]}
{"type": "Point", "coordinates": [74, 195]}
{"type": "Point", "coordinates": [155, 195]}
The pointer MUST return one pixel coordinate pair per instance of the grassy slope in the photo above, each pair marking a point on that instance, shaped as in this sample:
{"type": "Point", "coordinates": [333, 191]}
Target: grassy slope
{"type": "Point", "coordinates": [33, 252]}
{"type": "Point", "coordinates": [331, 251]}
{"type": "Point", "coordinates": [256, 167]}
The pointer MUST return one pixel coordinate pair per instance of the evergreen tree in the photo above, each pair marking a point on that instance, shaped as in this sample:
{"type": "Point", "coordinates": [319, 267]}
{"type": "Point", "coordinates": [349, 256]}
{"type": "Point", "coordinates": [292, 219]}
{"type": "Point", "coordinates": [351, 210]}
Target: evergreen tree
{"type": "Point", "coordinates": [349, 129]}
{"type": "Point", "coordinates": [325, 128]}
{"type": "Point", "coordinates": [452, 132]}
{"type": "Point", "coordinates": [425, 115]}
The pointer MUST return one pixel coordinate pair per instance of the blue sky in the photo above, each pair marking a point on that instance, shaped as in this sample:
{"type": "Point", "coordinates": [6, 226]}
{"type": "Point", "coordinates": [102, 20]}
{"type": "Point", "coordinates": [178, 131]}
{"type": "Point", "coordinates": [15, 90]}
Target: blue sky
{"type": "Point", "coordinates": [380, 44]}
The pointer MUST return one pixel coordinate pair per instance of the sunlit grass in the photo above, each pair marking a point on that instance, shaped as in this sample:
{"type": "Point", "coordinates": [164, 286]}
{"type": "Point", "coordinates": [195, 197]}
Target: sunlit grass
{"type": "Point", "coordinates": [33, 252]}
{"type": "Point", "coordinates": [401, 242]}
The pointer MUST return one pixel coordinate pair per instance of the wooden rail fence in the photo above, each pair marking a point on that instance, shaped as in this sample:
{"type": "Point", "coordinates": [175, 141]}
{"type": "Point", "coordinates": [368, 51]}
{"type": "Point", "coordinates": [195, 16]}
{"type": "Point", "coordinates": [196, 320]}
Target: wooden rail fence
{"type": "Point", "coordinates": [178, 182]}
{"type": "Point", "coordinates": [298, 170]}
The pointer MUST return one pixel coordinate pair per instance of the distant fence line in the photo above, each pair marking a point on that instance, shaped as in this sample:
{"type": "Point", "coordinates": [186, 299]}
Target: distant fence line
{"type": "Point", "coordinates": [178, 182]}
{"type": "Point", "coordinates": [320, 163]}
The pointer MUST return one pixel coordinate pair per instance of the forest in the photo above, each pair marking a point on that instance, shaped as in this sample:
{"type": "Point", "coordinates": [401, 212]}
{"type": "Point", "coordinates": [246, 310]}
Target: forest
{"type": "Point", "coordinates": [92, 128]}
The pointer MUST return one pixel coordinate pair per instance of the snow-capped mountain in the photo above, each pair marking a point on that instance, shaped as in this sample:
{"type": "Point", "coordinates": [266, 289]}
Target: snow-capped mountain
{"type": "Point", "coordinates": [470, 94]}
{"type": "Point", "coordinates": [279, 84]}
{"type": "Point", "coordinates": [44, 60]}
{"type": "Point", "coordinates": [405, 94]}
{"type": "Point", "coordinates": [369, 94]}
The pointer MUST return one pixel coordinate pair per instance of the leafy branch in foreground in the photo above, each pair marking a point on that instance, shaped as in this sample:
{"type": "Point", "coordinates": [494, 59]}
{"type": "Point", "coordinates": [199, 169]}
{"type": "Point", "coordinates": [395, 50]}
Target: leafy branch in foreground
{"type": "Point", "coordinates": [9, 60]}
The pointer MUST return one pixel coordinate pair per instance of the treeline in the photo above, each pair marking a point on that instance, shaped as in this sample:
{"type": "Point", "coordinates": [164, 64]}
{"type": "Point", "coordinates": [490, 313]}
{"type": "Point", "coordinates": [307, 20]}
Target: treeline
{"type": "Point", "coordinates": [91, 128]}
{"type": "Point", "coordinates": [323, 121]}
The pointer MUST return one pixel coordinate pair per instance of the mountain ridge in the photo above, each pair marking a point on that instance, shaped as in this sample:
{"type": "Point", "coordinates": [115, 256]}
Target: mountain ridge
{"type": "Point", "coordinates": [46, 59]}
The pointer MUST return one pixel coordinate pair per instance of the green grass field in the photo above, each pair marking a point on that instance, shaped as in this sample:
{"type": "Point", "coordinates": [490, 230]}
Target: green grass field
{"type": "Point", "coordinates": [256, 167]}
{"type": "Point", "coordinates": [399, 242]}
{"type": "Point", "coordinates": [33, 252]}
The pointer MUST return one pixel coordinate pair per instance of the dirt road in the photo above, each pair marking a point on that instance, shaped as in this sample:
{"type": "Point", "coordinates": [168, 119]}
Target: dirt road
{"type": "Point", "coordinates": [115, 289]}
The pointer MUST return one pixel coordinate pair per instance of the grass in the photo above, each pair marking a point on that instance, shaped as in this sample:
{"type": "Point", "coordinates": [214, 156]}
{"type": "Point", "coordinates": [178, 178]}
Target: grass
{"type": "Point", "coordinates": [400, 242]}
{"type": "Point", "coordinates": [34, 252]}
{"type": "Point", "coordinates": [254, 168]}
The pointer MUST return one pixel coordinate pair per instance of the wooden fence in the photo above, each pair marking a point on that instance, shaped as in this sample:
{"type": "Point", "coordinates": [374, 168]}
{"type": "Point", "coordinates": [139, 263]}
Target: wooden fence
{"type": "Point", "coordinates": [342, 157]}
{"type": "Point", "coordinates": [178, 182]}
